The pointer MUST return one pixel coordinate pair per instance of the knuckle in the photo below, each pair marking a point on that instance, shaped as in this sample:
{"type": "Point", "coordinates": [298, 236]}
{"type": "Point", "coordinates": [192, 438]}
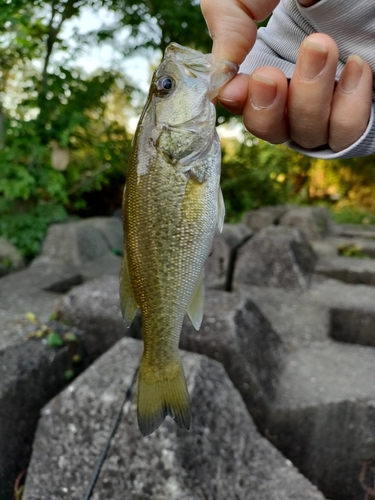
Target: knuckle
{"type": "Point", "coordinates": [309, 127]}
{"type": "Point", "coordinates": [344, 133]}
{"type": "Point", "coordinates": [309, 139]}
{"type": "Point", "coordinates": [267, 130]}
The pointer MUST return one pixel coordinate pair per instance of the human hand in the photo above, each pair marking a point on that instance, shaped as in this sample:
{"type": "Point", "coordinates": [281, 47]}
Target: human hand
{"type": "Point", "coordinates": [310, 109]}
{"type": "Point", "coordinates": [232, 25]}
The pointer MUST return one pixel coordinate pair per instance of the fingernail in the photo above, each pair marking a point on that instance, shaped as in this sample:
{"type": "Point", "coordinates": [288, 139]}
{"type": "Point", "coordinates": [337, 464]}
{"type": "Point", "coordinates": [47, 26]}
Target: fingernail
{"type": "Point", "coordinates": [313, 60]}
{"type": "Point", "coordinates": [351, 74]}
{"type": "Point", "coordinates": [263, 91]}
{"type": "Point", "coordinates": [231, 103]}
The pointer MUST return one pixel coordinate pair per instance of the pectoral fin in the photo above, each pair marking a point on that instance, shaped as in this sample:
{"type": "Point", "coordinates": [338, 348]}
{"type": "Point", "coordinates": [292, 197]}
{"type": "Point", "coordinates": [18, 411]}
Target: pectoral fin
{"type": "Point", "coordinates": [195, 306]}
{"type": "Point", "coordinates": [220, 210]}
{"type": "Point", "coordinates": [128, 303]}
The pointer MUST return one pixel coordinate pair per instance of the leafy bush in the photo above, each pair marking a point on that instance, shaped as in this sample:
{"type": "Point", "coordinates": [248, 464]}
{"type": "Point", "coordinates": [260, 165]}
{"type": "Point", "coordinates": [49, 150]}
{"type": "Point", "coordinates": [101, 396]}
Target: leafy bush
{"type": "Point", "coordinates": [354, 215]}
{"type": "Point", "coordinates": [33, 194]}
{"type": "Point", "coordinates": [27, 229]}
{"type": "Point", "coordinates": [256, 173]}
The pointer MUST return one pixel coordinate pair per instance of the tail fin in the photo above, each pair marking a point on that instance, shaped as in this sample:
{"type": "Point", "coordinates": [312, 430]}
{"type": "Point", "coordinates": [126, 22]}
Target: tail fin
{"type": "Point", "coordinates": [162, 391]}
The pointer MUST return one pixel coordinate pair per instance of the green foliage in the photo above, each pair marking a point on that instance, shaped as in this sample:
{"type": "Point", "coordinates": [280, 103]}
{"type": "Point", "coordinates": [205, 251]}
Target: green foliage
{"type": "Point", "coordinates": [76, 359]}
{"type": "Point", "coordinates": [255, 173]}
{"type": "Point", "coordinates": [54, 339]}
{"type": "Point", "coordinates": [70, 337]}
{"type": "Point", "coordinates": [156, 23]}
{"type": "Point", "coordinates": [352, 251]}
{"type": "Point", "coordinates": [69, 375]}
{"type": "Point", "coordinates": [49, 107]}
{"type": "Point", "coordinates": [26, 229]}
{"type": "Point", "coordinates": [54, 111]}
{"type": "Point", "coordinates": [98, 147]}
{"type": "Point", "coordinates": [118, 251]}
{"type": "Point", "coordinates": [263, 23]}
{"type": "Point", "coordinates": [19, 492]}
{"type": "Point", "coordinates": [26, 172]}
{"type": "Point", "coordinates": [353, 216]}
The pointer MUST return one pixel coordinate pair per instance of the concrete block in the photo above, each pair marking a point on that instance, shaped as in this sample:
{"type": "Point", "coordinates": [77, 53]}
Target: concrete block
{"type": "Point", "coordinates": [94, 307]}
{"type": "Point", "coordinates": [348, 269]}
{"type": "Point", "coordinates": [276, 256]}
{"type": "Point", "coordinates": [314, 222]}
{"type": "Point", "coordinates": [31, 373]}
{"type": "Point", "coordinates": [323, 415]}
{"type": "Point", "coordinates": [222, 457]}
{"type": "Point", "coordinates": [236, 333]}
{"type": "Point", "coordinates": [263, 217]}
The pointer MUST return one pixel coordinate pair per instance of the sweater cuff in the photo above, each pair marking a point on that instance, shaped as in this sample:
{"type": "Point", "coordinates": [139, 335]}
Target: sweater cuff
{"type": "Point", "coordinates": [364, 146]}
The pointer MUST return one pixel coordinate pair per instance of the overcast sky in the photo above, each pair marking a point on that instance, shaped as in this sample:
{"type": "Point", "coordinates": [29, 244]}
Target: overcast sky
{"type": "Point", "coordinates": [105, 56]}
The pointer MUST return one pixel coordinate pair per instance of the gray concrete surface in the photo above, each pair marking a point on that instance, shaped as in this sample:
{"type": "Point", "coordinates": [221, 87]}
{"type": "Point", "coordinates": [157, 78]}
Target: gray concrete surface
{"type": "Point", "coordinates": [222, 457]}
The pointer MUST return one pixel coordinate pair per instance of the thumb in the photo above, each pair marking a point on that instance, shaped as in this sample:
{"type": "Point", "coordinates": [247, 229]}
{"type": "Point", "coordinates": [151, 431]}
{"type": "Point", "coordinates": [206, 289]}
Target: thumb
{"type": "Point", "coordinates": [232, 27]}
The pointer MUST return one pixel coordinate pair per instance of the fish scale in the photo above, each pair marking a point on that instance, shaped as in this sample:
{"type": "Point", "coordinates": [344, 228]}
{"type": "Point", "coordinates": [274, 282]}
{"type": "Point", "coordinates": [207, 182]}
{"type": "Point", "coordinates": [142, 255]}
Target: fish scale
{"type": "Point", "coordinates": [172, 205]}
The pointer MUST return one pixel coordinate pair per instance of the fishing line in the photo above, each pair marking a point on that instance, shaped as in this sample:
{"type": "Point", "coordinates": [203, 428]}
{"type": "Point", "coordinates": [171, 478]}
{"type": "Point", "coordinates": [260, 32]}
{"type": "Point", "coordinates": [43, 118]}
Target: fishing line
{"type": "Point", "coordinates": [112, 434]}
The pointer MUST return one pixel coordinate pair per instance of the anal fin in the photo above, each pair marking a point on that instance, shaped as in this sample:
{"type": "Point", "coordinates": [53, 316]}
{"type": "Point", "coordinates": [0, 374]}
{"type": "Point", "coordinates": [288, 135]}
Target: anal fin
{"type": "Point", "coordinates": [195, 305]}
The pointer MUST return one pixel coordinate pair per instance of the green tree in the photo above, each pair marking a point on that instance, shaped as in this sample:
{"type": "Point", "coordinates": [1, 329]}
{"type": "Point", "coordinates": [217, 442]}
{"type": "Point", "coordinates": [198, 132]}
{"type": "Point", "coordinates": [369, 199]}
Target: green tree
{"type": "Point", "coordinates": [256, 173]}
{"type": "Point", "coordinates": [63, 133]}
{"type": "Point", "coordinates": [50, 110]}
{"type": "Point", "coordinates": [180, 21]}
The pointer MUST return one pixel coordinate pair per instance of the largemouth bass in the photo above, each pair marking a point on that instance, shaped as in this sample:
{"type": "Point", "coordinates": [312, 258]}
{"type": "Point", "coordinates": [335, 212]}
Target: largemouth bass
{"type": "Point", "coordinates": [171, 207]}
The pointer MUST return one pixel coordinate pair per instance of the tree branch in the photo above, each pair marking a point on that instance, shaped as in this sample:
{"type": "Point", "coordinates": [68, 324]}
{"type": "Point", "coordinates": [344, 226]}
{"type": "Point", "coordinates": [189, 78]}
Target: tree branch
{"type": "Point", "coordinates": [70, 9]}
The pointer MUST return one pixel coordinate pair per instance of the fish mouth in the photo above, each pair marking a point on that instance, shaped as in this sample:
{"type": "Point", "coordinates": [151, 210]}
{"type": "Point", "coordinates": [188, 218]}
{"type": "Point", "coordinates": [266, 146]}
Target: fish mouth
{"type": "Point", "coordinates": [216, 72]}
{"type": "Point", "coordinates": [191, 59]}
{"type": "Point", "coordinates": [223, 72]}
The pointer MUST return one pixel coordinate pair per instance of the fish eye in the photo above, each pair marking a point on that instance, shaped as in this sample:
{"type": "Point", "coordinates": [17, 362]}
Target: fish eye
{"type": "Point", "coordinates": [165, 85]}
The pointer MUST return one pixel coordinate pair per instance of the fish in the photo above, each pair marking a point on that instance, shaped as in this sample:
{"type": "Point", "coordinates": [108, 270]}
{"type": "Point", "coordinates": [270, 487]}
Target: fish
{"type": "Point", "coordinates": [172, 204]}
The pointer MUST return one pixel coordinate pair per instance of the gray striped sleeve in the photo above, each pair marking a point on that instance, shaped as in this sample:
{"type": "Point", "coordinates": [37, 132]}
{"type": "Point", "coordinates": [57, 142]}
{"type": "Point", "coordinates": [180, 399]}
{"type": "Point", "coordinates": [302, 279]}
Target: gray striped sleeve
{"type": "Point", "coordinates": [350, 24]}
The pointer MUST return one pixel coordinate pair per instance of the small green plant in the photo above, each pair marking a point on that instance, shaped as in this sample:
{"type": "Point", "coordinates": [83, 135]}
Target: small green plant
{"type": "Point", "coordinates": [77, 358]}
{"type": "Point", "coordinates": [51, 338]}
{"type": "Point", "coordinates": [5, 266]}
{"type": "Point", "coordinates": [69, 374]}
{"type": "Point", "coordinates": [6, 263]}
{"type": "Point", "coordinates": [117, 251]}
{"type": "Point", "coordinates": [54, 339]}
{"type": "Point", "coordinates": [19, 493]}
{"type": "Point", "coordinates": [352, 251]}
{"type": "Point", "coordinates": [70, 337]}
{"type": "Point", "coordinates": [54, 316]}
{"type": "Point", "coordinates": [19, 486]}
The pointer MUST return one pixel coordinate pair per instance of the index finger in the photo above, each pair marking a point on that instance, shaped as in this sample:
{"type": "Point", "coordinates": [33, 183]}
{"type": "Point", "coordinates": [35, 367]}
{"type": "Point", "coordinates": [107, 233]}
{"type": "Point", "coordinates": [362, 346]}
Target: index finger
{"type": "Point", "coordinates": [232, 25]}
